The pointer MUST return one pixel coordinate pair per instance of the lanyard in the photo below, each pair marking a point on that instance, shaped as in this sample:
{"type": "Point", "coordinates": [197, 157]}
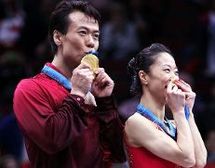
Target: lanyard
{"type": "Point", "coordinates": [148, 114]}
{"type": "Point", "coordinates": [57, 76]}
{"type": "Point", "coordinates": [187, 112]}
{"type": "Point", "coordinates": [171, 130]}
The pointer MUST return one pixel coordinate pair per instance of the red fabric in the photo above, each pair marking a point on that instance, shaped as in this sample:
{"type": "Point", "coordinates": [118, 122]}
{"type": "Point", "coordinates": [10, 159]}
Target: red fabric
{"type": "Point", "coordinates": [57, 132]}
{"type": "Point", "coordinates": [139, 157]}
{"type": "Point", "coordinates": [25, 165]}
{"type": "Point", "coordinates": [210, 165]}
{"type": "Point", "coordinates": [142, 158]}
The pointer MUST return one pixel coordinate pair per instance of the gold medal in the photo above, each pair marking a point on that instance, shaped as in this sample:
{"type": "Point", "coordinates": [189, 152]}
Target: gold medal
{"type": "Point", "coordinates": [92, 61]}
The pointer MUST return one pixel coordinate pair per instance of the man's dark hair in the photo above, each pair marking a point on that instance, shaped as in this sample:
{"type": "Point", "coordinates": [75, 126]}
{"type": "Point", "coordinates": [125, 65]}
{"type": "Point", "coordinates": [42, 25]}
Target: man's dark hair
{"type": "Point", "coordinates": [59, 19]}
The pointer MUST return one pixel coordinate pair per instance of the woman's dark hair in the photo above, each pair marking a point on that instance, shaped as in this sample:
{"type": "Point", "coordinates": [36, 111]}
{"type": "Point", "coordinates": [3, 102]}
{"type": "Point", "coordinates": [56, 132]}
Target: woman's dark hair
{"type": "Point", "coordinates": [59, 19]}
{"type": "Point", "coordinates": [142, 61]}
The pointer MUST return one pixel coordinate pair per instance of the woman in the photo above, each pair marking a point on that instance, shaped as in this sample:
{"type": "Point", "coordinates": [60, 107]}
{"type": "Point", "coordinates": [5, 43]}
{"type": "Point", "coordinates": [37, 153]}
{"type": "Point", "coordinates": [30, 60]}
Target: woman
{"type": "Point", "coordinates": [151, 139]}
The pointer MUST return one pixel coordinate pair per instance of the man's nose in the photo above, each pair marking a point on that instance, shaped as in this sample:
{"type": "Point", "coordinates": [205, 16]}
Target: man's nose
{"type": "Point", "coordinates": [90, 42]}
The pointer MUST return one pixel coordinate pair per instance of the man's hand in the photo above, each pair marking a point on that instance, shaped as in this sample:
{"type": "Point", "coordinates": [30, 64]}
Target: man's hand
{"type": "Point", "coordinates": [102, 85]}
{"type": "Point", "coordinates": [81, 80]}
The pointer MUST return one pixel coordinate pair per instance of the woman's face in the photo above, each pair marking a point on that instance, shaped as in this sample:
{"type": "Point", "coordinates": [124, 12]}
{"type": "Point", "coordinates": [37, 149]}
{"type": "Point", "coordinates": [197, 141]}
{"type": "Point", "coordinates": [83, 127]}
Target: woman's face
{"type": "Point", "coordinates": [161, 73]}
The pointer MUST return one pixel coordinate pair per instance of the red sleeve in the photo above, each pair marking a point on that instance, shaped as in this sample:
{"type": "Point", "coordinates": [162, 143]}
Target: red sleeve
{"type": "Point", "coordinates": [111, 134]}
{"type": "Point", "coordinates": [51, 131]}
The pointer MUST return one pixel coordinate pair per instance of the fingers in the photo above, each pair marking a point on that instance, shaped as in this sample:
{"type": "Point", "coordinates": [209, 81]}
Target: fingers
{"type": "Point", "coordinates": [175, 97]}
{"type": "Point", "coordinates": [100, 74]}
{"type": "Point", "coordinates": [82, 79]}
{"type": "Point", "coordinates": [83, 72]}
{"type": "Point", "coordinates": [183, 85]}
{"type": "Point", "coordinates": [190, 95]}
{"type": "Point", "coordinates": [173, 89]}
{"type": "Point", "coordinates": [102, 78]}
{"type": "Point", "coordinates": [83, 66]}
{"type": "Point", "coordinates": [186, 88]}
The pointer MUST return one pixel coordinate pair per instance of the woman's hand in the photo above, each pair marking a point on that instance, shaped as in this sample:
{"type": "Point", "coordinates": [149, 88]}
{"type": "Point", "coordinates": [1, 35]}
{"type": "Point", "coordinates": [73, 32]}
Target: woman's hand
{"type": "Point", "coordinates": [189, 94]}
{"type": "Point", "coordinates": [175, 98]}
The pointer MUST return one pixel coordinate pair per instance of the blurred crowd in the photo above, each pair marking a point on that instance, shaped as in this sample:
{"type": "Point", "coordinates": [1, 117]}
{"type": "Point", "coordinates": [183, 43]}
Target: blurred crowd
{"type": "Point", "coordinates": [187, 27]}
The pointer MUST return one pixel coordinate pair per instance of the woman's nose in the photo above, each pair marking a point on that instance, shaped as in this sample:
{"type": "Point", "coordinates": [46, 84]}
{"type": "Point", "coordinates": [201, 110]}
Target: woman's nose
{"type": "Point", "coordinates": [174, 78]}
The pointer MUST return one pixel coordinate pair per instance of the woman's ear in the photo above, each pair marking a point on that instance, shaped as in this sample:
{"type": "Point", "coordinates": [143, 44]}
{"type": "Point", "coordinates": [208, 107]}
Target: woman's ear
{"type": "Point", "coordinates": [57, 36]}
{"type": "Point", "coordinates": [143, 77]}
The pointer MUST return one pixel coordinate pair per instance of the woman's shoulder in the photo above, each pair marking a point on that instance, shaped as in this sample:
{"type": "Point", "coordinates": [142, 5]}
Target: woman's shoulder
{"type": "Point", "coordinates": [137, 123]}
{"type": "Point", "coordinates": [136, 119]}
{"type": "Point", "coordinates": [133, 119]}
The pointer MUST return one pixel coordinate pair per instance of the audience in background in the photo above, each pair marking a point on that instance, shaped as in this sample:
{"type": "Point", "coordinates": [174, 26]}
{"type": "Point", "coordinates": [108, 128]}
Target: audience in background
{"type": "Point", "coordinates": [119, 38]}
{"type": "Point", "coordinates": [9, 161]}
{"type": "Point", "coordinates": [211, 40]}
{"type": "Point", "coordinates": [211, 146]}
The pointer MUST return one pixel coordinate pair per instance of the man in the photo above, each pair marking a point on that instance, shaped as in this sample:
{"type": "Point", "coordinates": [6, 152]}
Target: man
{"type": "Point", "coordinates": [61, 130]}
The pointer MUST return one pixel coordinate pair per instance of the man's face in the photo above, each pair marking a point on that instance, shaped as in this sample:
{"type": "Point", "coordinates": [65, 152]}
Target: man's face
{"type": "Point", "coordinates": [82, 36]}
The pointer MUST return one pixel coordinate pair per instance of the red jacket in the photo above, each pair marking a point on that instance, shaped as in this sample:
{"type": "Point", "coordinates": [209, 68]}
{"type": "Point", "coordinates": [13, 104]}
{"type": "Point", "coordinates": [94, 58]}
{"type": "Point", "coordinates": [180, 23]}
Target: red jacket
{"type": "Point", "coordinates": [58, 133]}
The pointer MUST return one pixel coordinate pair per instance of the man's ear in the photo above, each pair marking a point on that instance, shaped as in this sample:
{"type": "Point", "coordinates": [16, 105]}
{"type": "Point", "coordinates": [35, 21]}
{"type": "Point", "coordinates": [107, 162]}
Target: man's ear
{"type": "Point", "coordinates": [143, 77]}
{"type": "Point", "coordinates": [57, 36]}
